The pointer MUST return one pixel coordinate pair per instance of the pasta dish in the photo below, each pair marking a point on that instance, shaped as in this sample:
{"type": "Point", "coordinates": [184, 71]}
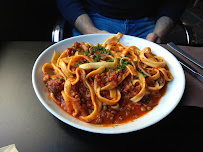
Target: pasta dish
{"type": "Point", "coordinates": [107, 83]}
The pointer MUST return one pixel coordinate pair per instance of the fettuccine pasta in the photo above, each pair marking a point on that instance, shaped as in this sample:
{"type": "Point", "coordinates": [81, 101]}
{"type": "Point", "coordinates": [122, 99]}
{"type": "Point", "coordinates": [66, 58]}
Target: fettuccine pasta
{"type": "Point", "coordinates": [106, 83]}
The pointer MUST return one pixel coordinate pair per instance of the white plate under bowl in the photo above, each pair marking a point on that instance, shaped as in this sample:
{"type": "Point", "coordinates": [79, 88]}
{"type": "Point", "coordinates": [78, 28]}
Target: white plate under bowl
{"type": "Point", "coordinates": [168, 102]}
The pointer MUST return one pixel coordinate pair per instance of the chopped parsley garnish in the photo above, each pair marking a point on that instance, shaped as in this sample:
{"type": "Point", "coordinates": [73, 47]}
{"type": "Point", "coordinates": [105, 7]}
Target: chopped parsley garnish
{"type": "Point", "coordinates": [97, 57]}
{"type": "Point", "coordinates": [79, 63]}
{"type": "Point", "coordinates": [99, 47]}
{"type": "Point", "coordinates": [120, 67]}
{"type": "Point", "coordinates": [124, 63]}
{"type": "Point", "coordinates": [107, 51]}
{"type": "Point", "coordinates": [111, 60]}
{"type": "Point", "coordinates": [92, 49]}
{"type": "Point", "coordinates": [103, 50]}
{"type": "Point", "coordinates": [142, 73]}
{"type": "Point", "coordinates": [86, 53]}
{"type": "Point", "coordinates": [89, 46]}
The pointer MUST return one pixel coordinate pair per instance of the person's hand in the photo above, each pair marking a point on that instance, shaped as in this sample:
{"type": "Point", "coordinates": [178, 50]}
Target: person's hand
{"type": "Point", "coordinates": [85, 25]}
{"type": "Point", "coordinates": [163, 26]}
{"type": "Point", "coordinates": [101, 31]}
{"type": "Point", "coordinates": [153, 37]}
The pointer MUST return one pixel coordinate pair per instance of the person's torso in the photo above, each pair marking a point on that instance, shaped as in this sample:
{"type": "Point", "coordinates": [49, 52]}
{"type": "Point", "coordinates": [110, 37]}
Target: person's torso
{"type": "Point", "coordinates": [123, 9]}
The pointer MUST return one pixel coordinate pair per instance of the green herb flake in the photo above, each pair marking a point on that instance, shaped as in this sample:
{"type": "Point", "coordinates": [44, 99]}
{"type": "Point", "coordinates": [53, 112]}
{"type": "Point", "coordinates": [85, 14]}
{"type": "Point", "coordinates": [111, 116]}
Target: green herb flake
{"type": "Point", "coordinates": [89, 46]}
{"type": "Point", "coordinates": [97, 57]}
{"type": "Point", "coordinates": [86, 53]}
{"type": "Point", "coordinates": [92, 49]}
{"type": "Point", "coordinates": [99, 47]}
{"type": "Point", "coordinates": [103, 50]}
{"type": "Point", "coordinates": [124, 63]}
{"type": "Point", "coordinates": [79, 63]}
{"type": "Point", "coordinates": [111, 60]}
{"type": "Point", "coordinates": [142, 73]}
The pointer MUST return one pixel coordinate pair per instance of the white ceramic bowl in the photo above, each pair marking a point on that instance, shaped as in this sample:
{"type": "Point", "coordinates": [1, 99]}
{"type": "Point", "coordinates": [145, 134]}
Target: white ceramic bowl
{"type": "Point", "coordinates": [168, 102]}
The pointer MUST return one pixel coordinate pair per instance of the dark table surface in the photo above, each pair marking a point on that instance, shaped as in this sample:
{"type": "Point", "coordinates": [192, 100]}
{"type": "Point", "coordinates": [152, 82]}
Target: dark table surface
{"type": "Point", "coordinates": [27, 124]}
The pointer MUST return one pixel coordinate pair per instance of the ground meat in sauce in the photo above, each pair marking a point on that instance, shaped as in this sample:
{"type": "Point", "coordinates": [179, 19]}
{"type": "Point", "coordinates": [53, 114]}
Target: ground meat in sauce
{"type": "Point", "coordinates": [126, 110]}
{"type": "Point", "coordinates": [56, 85]}
{"type": "Point", "coordinates": [105, 93]}
{"type": "Point", "coordinates": [127, 89]}
{"type": "Point", "coordinates": [112, 76]}
{"type": "Point", "coordinates": [102, 79]}
{"type": "Point", "coordinates": [70, 52]}
{"type": "Point", "coordinates": [80, 92]}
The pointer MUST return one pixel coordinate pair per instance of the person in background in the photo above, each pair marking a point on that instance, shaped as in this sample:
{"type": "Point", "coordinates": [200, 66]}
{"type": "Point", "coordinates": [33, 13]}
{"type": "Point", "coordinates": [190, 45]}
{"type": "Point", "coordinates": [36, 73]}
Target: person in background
{"type": "Point", "coordinates": [149, 19]}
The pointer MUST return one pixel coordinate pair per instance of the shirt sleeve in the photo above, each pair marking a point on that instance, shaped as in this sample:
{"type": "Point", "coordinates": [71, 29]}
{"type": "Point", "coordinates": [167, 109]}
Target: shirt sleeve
{"type": "Point", "coordinates": [172, 9]}
{"type": "Point", "coordinates": [71, 9]}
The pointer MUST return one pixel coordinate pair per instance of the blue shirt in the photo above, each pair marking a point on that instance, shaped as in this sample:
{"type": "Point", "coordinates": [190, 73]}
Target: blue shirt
{"type": "Point", "coordinates": [122, 9]}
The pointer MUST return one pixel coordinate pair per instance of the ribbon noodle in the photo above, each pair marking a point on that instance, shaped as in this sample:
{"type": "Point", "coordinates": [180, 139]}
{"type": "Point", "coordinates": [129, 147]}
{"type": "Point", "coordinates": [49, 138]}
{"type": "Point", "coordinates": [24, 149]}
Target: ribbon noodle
{"type": "Point", "coordinates": [106, 83]}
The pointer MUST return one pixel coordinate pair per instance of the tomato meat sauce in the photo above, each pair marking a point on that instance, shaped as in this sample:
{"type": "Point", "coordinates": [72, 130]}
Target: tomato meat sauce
{"type": "Point", "coordinates": [124, 111]}
{"type": "Point", "coordinates": [107, 83]}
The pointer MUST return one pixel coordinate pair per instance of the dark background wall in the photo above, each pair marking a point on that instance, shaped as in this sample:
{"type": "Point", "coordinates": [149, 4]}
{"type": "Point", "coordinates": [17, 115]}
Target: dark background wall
{"type": "Point", "coordinates": [27, 19]}
{"type": "Point", "coordinates": [34, 20]}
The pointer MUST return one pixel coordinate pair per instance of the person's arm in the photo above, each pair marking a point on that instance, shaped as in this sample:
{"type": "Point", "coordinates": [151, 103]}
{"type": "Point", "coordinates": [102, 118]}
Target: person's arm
{"type": "Point", "coordinates": [84, 24]}
{"type": "Point", "coordinates": [74, 12]}
{"type": "Point", "coordinates": [163, 26]}
{"type": "Point", "coordinates": [169, 13]}
{"type": "Point", "coordinates": [70, 9]}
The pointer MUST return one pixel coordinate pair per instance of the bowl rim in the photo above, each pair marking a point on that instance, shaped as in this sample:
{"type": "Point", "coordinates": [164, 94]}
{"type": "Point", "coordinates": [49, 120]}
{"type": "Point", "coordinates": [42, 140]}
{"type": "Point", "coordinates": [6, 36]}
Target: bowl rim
{"type": "Point", "coordinates": [89, 129]}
